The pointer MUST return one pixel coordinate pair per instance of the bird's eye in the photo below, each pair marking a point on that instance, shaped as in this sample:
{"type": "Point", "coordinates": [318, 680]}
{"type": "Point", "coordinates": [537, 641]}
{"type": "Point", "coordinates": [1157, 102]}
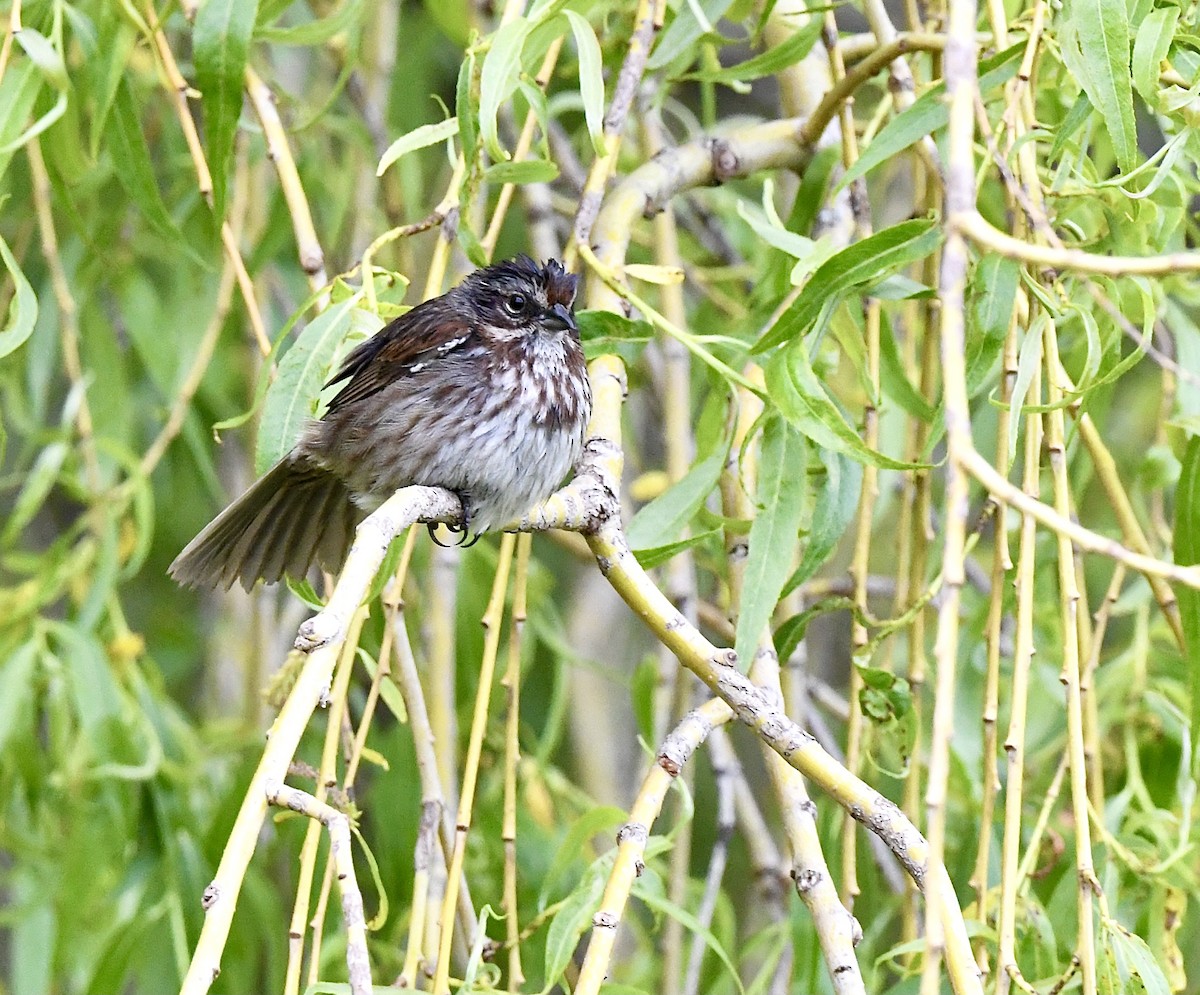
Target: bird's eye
{"type": "Point", "coordinates": [516, 303]}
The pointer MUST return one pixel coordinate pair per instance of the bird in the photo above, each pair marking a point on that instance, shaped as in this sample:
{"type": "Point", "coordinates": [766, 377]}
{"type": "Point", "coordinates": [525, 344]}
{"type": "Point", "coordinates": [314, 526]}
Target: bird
{"type": "Point", "coordinates": [482, 391]}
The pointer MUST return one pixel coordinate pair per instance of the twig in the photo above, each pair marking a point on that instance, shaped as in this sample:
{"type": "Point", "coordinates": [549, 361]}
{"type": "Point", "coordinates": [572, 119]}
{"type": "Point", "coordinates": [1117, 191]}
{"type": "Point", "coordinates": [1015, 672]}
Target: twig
{"type": "Point", "coordinates": [645, 25]}
{"type": "Point", "coordinates": [68, 311]}
{"type": "Point", "coordinates": [975, 227]}
{"type": "Point", "coordinates": [323, 636]}
{"type": "Point", "coordinates": [312, 257]}
{"type": "Point", "coordinates": [178, 87]}
{"type": "Point", "coordinates": [338, 825]}
{"type": "Point", "coordinates": [675, 752]}
{"type": "Point", "coordinates": [511, 683]}
{"type": "Point", "coordinates": [961, 87]}
{"type": "Point", "coordinates": [492, 618]}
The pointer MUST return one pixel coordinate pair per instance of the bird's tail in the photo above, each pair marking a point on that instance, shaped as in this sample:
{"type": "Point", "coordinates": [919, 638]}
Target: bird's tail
{"type": "Point", "coordinates": [298, 512]}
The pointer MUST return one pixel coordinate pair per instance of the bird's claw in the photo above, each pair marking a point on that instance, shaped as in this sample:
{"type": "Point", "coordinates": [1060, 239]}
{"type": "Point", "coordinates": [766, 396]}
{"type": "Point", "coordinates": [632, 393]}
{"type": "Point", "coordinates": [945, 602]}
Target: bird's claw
{"type": "Point", "coordinates": [466, 540]}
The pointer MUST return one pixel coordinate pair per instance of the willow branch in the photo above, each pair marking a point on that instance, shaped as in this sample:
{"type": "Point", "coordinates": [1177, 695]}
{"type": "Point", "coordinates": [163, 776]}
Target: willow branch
{"type": "Point", "coordinates": [312, 257]}
{"type": "Point", "coordinates": [322, 636]}
{"type": "Point", "coordinates": [975, 227]}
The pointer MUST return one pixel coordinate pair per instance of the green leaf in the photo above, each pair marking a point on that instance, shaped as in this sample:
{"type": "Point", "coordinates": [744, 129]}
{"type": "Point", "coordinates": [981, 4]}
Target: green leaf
{"type": "Point", "coordinates": [928, 114]}
{"type": "Point", "coordinates": [498, 80]}
{"type": "Point", "coordinates": [131, 161]}
{"type": "Point", "coordinates": [657, 555]}
{"type": "Point", "coordinates": [418, 138]}
{"type": "Point", "coordinates": [770, 62]}
{"type": "Point", "coordinates": [836, 507]}
{"type": "Point", "coordinates": [893, 378]}
{"type": "Point", "coordinates": [684, 31]}
{"type": "Point", "coordinates": [691, 923]}
{"type": "Point", "coordinates": [45, 56]}
{"type": "Point", "coordinates": [1094, 39]}
{"type": "Point", "coordinates": [22, 309]}
{"type": "Point", "coordinates": [573, 918]}
{"type": "Point", "coordinates": [779, 501]}
{"type": "Point", "coordinates": [221, 42]}
{"type": "Point", "coordinates": [869, 259]}
{"type": "Point", "coordinates": [662, 519]}
{"type": "Point", "coordinates": [107, 69]}
{"type": "Point", "coordinates": [1150, 47]}
{"type": "Point", "coordinates": [802, 400]}
{"type": "Point", "coordinates": [790, 633]}
{"type": "Point", "coordinates": [526, 171]}
{"type": "Point", "coordinates": [290, 400]}
{"type": "Point", "coordinates": [1076, 118]}
{"type": "Point", "coordinates": [1028, 360]}
{"type": "Point", "coordinates": [993, 289]}
{"type": "Point", "coordinates": [466, 108]}
{"type": "Point", "coordinates": [1132, 962]}
{"type": "Point", "coordinates": [597, 821]}
{"type": "Point", "coordinates": [591, 78]}
{"type": "Point", "coordinates": [36, 486]}
{"type": "Point", "coordinates": [17, 691]}
{"type": "Point", "coordinates": [18, 91]}
{"type": "Point", "coordinates": [1187, 554]}
{"type": "Point", "coordinates": [611, 327]}
{"type": "Point", "coordinates": [316, 32]}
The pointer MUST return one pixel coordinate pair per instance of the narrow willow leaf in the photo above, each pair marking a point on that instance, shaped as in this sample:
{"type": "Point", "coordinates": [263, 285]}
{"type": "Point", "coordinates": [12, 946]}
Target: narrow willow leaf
{"type": "Point", "coordinates": [779, 506]}
{"type": "Point", "coordinates": [466, 109]}
{"type": "Point", "coordinates": [525, 171]}
{"type": "Point", "coordinates": [131, 157]}
{"type": "Point", "coordinates": [835, 509]}
{"type": "Point", "coordinates": [1028, 361]}
{"type": "Point", "coordinates": [17, 689]}
{"type": "Point", "coordinates": [38, 126]}
{"type": "Point", "coordinates": [776, 236]}
{"type": "Point", "coordinates": [661, 520]}
{"type": "Point", "coordinates": [469, 242]}
{"type": "Point", "coordinates": [1133, 962]}
{"type": "Point", "coordinates": [1094, 37]}
{"type": "Point", "coordinates": [45, 56]}
{"type": "Point", "coordinates": [656, 901]}
{"type": "Point", "coordinates": [498, 79]}
{"type": "Point", "coordinates": [18, 91]}
{"type": "Point", "coordinates": [928, 114]}
{"type": "Point", "coordinates": [869, 259]}
{"type": "Point", "coordinates": [894, 380]}
{"type": "Point", "coordinates": [770, 62]}
{"type": "Point", "coordinates": [802, 400]}
{"type": "Point", "coordinates": [418, 138]}
{"type": "Point", "coordinates": [602, 325]}
{"type": "Point", "coordinates": [658, 555]}
{"type": "Point", "coordinates": [106, 70]}
{"type": "Point", "coordinates": [1150, 47]}
{"type": "Point", "coordinates": [319, 31]}
{"type": "Point", "coordinates": [1187, 554]}
{"type": "Point", "coordinates": [993, 290]}
{"type": "Point", "coordinates": [573, 917]}
{"type": "Point", "coordinates": [36, 486]}
{"type": "Point", "coordinates": [22, 309]}
{"type": "Point", "coordinates": [221, 42]}
{"type": "Point", "coordinates": [684, 31]}
{"type": "Point", "coordinates": [790, 633]}
{"type": "Point", "coordinates": [1076, 118]}
{"type": "Point", "coordinates": [591, 78]}
{"type": "Point", "coordinates": [290, 400]}
{"type": "Point", "coordinates": [597, 821]}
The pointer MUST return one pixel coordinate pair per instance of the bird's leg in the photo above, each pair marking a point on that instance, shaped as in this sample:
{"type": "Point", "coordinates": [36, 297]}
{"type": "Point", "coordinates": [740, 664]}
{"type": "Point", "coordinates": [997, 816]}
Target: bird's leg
{"type": "Point", "coordinates": [462, 530]}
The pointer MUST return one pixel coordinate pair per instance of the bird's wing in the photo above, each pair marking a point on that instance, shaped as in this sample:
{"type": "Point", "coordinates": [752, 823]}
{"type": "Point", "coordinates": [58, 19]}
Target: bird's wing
{"type": "Point", "coordinates": [402, 347]}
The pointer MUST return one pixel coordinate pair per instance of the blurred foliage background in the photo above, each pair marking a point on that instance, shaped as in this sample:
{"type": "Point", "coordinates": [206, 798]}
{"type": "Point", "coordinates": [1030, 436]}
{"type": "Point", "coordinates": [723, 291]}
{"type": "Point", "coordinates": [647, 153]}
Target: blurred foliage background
{"type": "Point", "coordinates": [190, 198]}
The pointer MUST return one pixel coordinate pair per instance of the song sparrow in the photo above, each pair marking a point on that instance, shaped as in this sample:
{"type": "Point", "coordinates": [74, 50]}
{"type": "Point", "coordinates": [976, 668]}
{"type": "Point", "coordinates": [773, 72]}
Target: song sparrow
{"type": "Point", "coordinates": [483, 391]}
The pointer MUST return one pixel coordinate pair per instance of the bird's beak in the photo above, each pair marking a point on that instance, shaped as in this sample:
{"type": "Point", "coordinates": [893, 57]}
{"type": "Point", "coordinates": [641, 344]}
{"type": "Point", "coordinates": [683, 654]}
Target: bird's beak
{"type": "Point", "coordinates": [559, 319]}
